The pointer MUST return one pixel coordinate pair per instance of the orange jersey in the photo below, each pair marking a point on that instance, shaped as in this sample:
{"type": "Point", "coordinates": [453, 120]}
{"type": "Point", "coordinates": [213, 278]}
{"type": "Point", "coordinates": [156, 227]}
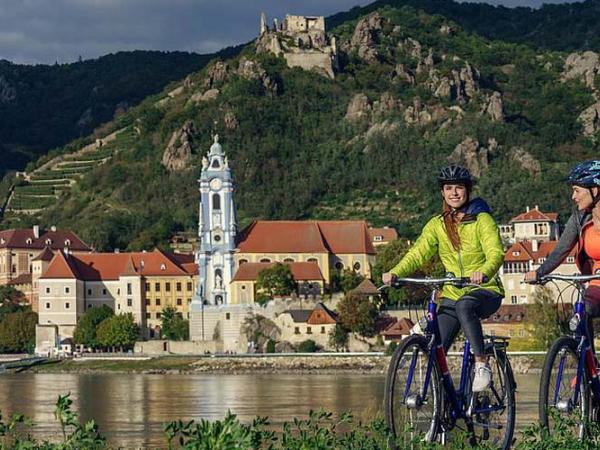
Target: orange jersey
{"type": "Point", "coordinates": [591, 246]}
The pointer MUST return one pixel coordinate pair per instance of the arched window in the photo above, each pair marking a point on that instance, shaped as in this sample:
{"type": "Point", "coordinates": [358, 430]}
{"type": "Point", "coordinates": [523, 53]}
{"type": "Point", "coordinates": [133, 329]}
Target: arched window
{"type": "Point", "coordinates": [216, 198]}
{"type": "Point", "coordinates": [265, 260]}
{"type": "Point", "coordinates": [288, 260]}
{"type": "Point", "coordinates": [313, 260]}
{"type": "Point", "coordinates": [243, 261]}
{"type": "Point", "coordinates": [215, 164]}
{"type": "Point", "coordinates": [356, 266]}
{"type": "Point", "coordinates": [339, 265]}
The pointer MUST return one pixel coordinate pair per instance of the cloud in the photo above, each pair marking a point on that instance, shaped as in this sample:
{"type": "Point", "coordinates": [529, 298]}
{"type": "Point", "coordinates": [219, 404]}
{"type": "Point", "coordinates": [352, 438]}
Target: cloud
{"type": "Point", "coordinates": [45, 31]}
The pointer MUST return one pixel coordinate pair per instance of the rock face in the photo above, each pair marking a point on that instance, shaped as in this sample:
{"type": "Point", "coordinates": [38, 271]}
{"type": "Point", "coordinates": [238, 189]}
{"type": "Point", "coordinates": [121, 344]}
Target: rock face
{"type": "Point", "coordinates": [216, 75]}
{"type": "Point", "coordinates": [230, 120]}
{"type": "Point", "coordinates": [590, 119]}
{"type": "Point", "coordinates": [7, 92]}
{"type": "Point", "coordinates": [365, 36]}
{"type": "Point", "coordinates": [583, 66]}
{"type": "Point", "coordinates": [360, 108]}
{"type": "Point", "coordinates": [178, 154]}
{"type": "Point", "coordinates": [472, 155]}
{"type": "Point", "coordinates": [526, 161]}
{"type": "Point", "coordinates": [252, 70]}
{"type": "Point", "coordinates": [493, 107]}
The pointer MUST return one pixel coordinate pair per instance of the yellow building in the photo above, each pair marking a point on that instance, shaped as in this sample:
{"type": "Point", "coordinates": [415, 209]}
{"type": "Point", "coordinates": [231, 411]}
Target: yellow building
{"type": "Point", "coordinates": [141, 283]}
{"type": "Point", "coordinates": [332, 245]}
{"type": "Point", "coordinates": [243, 286]}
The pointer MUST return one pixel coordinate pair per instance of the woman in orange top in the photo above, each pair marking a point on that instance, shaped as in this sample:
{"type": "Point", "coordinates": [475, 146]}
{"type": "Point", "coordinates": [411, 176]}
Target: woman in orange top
{"type": "Point", "coordinates": [583, 230]}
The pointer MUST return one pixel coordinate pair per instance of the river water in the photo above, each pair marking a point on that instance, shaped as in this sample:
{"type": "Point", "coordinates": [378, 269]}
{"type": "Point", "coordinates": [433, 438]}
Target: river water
{"type": "Point", "coordinates": [131, 408]}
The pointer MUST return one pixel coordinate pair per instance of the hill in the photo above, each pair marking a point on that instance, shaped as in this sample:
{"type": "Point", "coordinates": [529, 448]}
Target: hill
{"type": "Point", "coordinates": [47, 106]}
{"type": "Point", "coordinates": [413, 91]}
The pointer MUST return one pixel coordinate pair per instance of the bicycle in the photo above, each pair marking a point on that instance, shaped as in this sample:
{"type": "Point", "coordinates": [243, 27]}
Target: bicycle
{"type": "Point", "coordinates": [420, 399]}
{"type": "Point", "coordinates": [571, 369]}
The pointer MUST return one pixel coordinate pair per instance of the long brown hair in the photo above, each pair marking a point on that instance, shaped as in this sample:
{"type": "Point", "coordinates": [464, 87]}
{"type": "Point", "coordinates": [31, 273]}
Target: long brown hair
{"type": "Point", "coordinates": [450, 222]}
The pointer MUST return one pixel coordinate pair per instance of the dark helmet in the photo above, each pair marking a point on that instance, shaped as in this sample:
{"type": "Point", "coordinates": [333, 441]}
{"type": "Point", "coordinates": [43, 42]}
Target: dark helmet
{"type": "Point", "coordinates": [453, 174]}
{"type": "Point", "coordinates": [585, 174]}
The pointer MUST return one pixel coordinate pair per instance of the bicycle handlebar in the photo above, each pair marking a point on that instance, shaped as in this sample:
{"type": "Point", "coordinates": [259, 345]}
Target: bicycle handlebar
{"type": "Point", "coordinates": [436, 282]}
{"type": "Point", "coordinates": [576, 279]}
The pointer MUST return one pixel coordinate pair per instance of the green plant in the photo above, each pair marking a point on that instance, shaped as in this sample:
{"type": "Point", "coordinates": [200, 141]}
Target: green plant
{"type": "Point", "coordinates": [270, 348]}
{"type": "Point", "coordinates": [307, 346]}
{"type": "Point", "coordinates": [118, 331]}
{"type": "Point", "coordinates": [87, 327]}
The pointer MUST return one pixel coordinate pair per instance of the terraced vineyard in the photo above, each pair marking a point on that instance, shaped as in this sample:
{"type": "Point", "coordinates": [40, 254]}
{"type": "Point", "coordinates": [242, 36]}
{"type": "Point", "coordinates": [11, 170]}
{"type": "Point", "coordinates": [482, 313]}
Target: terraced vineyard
{"type": "Point", "coordinates": [44, 186]}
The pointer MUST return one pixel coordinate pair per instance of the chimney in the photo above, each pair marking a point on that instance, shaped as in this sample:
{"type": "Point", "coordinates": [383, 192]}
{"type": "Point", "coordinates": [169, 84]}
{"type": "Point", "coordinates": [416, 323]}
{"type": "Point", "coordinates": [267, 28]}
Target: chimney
{"type": "Point", "coordinates": [36, 231]}
{"type": "Point", "coordinates": [534, 245]}
{"type": "Point", "coordinates": [536, 208]}
{"type": "Point", "coordinates": [117, 250]}
{"type": "Point", "coordinates": [53, 228]}
{"type": "Point", "coordinates": [527, 209]}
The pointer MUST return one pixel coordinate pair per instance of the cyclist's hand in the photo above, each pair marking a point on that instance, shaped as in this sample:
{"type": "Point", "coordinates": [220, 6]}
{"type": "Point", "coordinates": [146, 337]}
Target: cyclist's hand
{"type": "Point", "coordinates": [531, 277]}
{"type": "Point", "coordinates": [478, 278]}
{"type": "Point", "coordinates": [388, 278]}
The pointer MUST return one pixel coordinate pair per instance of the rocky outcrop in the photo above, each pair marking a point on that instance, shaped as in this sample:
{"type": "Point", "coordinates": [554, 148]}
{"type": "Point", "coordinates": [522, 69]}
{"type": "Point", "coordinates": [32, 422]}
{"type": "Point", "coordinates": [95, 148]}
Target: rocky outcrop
{"type": "Point", "coordinates": [364, 38]}
{"type": "Point", "coordinates": [252, 70]}
{"type": "Point", "coordinates": [401, 73]}
{"type": "Point", "coordinates": [178, 154]}
{"type": "Point", "coordinates": [526, 161]}
{"type": "Point", "coordinates": [361, 108]}
{"type": "Point", "coordinates": [460, 85]}
{"type": "Point", "coordinates": [417, 114]}
{"type": "Point", "coordinates": [259, 329]}
{"type": "Point", "coordinates": [7, 92]}
{"type": "Point", "coordinates": [381, 128]}
{"type": "Point", "coordinates": [358, 109]}
{"type": "Point", "coordinates": [590, 120]}
{"type": "Point", "coordinates": [211, 94]}
{"type": "Point", "coordinates": [494, 107]}
{"type": "Point", "coordinates": [216, 75]}
{"type": "Point", "coordinates": [470, 153]}
{"type": "Point", "coordinates": [582, 66]}
{"type": "Point", "coordinates": [230, 120]}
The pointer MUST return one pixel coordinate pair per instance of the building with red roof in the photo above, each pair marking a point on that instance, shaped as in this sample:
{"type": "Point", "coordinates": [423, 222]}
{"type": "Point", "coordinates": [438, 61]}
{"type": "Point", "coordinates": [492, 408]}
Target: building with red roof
{"type": "Point", "coordinates": [532, 224]}
{"type": "Point", "coordinates": [20, 247]}
{"type": "Point", "coordinates": [382, 236]}
{"type": "Point", "coordinates": [141, 283]}
{"type": "Point", "coordinates": [524, 256]}
{"type": "Point", "coordinates": [332, 245]}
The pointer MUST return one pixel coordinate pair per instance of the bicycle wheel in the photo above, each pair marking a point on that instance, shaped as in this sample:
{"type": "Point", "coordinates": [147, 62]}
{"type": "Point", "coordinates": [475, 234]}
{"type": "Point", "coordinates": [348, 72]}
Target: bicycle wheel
{"type": "Point", "coordinates": [493, 410]}
{"type": "Point", "coordinates": [557, 389]}
{"type": "Point", "coordinates": [410, 411]}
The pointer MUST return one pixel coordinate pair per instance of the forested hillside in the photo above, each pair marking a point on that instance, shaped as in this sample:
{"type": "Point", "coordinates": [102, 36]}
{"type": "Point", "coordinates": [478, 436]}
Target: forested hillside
{"type": "Point", "coordinates": [42, 107]}
{"type": "Point", "coordinates": [413, 92]}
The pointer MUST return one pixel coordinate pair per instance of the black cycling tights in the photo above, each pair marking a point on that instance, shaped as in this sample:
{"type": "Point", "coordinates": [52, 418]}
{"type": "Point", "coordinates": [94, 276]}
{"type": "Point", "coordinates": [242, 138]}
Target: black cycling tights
{"type": "Point", "coordinates": [592, 309]}
{"type": "Point", "coordinates": [467, 312]}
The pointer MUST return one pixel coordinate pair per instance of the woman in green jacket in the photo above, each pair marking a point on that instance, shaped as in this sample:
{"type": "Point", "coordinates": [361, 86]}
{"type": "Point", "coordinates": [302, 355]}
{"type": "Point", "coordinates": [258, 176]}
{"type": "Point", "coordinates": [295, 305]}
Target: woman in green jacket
{"type": "Point", "coordinates": [467, 240]}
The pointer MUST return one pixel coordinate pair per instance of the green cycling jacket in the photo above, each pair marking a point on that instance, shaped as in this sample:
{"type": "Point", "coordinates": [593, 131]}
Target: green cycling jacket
{"type": "Point", "coordinates": [481, 251]}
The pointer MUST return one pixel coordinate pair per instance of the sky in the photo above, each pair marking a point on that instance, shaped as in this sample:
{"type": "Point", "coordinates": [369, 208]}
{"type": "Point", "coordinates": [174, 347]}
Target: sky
{"type": "Point", "coordinates": [49, 31]}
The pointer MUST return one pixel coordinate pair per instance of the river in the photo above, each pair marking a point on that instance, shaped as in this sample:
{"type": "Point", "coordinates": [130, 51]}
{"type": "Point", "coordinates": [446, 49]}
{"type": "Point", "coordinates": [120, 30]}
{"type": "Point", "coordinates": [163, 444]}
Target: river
{"type": "Point", "coordinates": [131, 408]}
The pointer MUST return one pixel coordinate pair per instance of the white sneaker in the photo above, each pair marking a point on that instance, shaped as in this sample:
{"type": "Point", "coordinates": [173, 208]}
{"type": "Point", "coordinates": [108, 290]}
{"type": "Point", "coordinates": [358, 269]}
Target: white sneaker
{"type": "Point", "coordinates": [483, 377]}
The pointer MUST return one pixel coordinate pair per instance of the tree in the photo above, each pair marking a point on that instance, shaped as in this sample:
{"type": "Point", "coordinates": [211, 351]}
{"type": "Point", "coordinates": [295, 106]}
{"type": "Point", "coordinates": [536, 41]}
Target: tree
{"type": "Point", "coordinates": [388, 256]}
{"type": "Point", "coordinates": [17, 332]}
{"type": "Point", "coordinates": [87, 327]}
{"type": "Point", "coordinates": [275, 280]}
{"type": "Point", "coordinates": [338, 337]}
{"type": "Point", "coordinates": [545, 323]}
{"type": "Point", "coordinates": [358, 314]}
{"type": "Point", "coordinates": [345, 280]}
{"type": "Point", "coordinates": [308, 346]}
{"type": "Point", "coordinates": [173, 326]}
{"type": "Point", "coordinates": [118, 331]}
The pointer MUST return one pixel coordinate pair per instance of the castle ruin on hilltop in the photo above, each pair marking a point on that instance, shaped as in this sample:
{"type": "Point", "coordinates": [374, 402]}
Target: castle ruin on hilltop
{"type": "Point", "coordinates": [302, 41]}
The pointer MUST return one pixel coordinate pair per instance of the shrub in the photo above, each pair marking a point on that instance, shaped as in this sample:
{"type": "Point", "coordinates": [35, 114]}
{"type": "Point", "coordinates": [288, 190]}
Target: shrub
{"type": "Point", "coordinates": [307, 346]}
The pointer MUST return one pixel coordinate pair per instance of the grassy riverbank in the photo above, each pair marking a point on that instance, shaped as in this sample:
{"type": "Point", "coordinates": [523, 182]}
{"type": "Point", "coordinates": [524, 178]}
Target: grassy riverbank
{"type": "Point", "coordinates": [242, 364]}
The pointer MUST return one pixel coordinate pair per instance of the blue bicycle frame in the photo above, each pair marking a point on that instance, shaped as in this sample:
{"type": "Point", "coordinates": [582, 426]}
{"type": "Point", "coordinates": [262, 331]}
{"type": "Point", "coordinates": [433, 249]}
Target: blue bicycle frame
{"type": "Point", "coordinates": [587, 359]}
{"type": "Point", "coordinates": [457, 398]}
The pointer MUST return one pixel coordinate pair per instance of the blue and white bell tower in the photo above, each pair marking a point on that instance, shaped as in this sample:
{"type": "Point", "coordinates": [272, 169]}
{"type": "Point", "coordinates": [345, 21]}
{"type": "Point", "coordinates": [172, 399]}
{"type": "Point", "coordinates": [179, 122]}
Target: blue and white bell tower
{"type": "Point", "coordinates": [217, 229]}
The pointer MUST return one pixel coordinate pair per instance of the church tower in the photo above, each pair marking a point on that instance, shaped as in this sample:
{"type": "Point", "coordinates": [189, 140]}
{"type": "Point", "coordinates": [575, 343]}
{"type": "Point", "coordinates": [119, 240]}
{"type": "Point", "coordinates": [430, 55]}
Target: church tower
{"type": "Point", "coordinates": [217, 229]}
